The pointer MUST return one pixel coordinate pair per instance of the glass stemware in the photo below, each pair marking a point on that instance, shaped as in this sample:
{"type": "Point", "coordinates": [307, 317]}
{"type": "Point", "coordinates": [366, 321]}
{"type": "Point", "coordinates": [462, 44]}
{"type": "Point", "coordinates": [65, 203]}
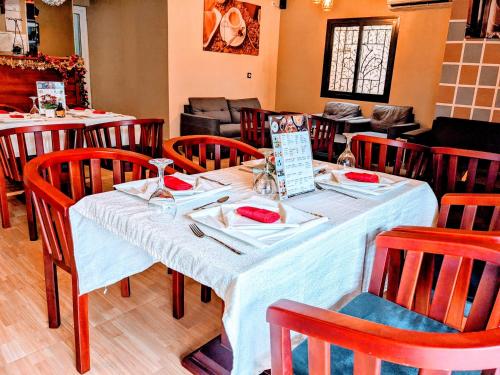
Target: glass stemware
{"type": "Point", "coordinates": [34, 111]}
{"type": "Point", "coordinates": [265, 183]}
{"type": "Point", "coordinates": [162, 202]}
{"type": "Point", "coordinates": [347, 159]}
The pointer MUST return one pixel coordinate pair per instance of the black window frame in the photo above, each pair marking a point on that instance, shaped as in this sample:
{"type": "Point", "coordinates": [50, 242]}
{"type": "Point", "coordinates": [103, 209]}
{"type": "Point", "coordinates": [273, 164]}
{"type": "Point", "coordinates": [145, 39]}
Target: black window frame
{"type": "Point", "coordinates": [327, 63]}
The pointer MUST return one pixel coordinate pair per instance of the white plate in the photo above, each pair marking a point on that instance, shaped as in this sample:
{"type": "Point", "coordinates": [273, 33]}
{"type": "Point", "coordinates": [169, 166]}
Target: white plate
{"type": "Point", "coordinates": [294, 222]}
{"type": "Point", "coordinates": [260, 163]}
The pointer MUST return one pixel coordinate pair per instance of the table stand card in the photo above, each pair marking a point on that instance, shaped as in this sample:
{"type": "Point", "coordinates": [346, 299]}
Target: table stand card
{"type": "Point", "coordinates": [50, 94]}
{"type": "Point", "coordinates": [293, 154]}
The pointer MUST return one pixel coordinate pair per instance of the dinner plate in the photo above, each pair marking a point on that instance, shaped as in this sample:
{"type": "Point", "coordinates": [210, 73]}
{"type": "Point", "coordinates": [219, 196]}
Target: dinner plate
{"type": "Point", "coordinates": [260, 164]}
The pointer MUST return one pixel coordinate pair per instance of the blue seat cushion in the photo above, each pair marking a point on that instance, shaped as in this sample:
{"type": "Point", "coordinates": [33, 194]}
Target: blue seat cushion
{"type": "Point", "coordinates": [375, 309]}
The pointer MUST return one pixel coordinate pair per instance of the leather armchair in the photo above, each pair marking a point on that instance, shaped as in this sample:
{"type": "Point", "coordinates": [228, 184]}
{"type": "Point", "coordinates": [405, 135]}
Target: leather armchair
{"type": "Point", "coordinates": [392, 120]}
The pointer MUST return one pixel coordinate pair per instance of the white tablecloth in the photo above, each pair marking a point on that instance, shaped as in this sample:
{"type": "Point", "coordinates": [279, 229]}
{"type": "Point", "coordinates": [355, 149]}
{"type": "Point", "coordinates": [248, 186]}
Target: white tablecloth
{"type": "Point", "coordinates": [113, 238]}
{"type": "Point", "coordinates": [7, 123]}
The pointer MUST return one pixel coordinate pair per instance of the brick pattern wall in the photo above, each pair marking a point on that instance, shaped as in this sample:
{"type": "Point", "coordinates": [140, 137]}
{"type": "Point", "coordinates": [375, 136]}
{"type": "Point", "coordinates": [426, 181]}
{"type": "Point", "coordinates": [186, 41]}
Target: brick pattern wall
{"type": "Point", "coordinates": [470, 78]}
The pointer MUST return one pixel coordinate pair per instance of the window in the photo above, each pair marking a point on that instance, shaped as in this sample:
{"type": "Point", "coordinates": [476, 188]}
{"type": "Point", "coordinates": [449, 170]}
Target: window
{"type": "Point", "coordinates": [359, 57]}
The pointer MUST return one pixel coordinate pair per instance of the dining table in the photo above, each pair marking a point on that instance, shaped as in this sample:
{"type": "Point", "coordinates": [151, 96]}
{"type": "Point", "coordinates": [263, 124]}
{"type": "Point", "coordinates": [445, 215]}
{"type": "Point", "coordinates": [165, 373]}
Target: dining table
{"type": "Point", "coordinates": [115, 237]}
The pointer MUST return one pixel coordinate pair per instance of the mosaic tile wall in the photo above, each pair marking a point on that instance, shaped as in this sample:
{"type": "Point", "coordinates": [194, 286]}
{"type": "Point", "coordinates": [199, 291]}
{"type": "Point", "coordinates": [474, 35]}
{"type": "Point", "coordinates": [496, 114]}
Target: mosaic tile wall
{"type": "Point", "coordinates": [470, 79]}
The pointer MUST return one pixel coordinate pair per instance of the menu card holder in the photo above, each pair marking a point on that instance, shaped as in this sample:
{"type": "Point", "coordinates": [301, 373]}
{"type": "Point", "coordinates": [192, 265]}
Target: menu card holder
{"type": "Point", "coordinates": [50, 94]}
{"type": "Point", "coordinates": [293, 155]}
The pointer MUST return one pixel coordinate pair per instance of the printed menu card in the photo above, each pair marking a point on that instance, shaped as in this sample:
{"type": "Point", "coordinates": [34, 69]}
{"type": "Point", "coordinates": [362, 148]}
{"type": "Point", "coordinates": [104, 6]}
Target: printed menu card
{"type": "Point", "coordinates": [50, 94]}
{"type": "Point", "coordinates": [293, 155]}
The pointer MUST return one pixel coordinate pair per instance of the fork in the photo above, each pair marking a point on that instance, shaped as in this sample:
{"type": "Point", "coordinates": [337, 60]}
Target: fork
{"type": "Point", "coordinates": [199, 233]}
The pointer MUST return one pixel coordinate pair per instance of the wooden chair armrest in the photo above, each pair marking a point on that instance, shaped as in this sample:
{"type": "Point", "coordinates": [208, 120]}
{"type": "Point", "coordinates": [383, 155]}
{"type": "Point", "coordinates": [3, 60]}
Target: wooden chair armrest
{"type": "Point", "coordinates": [458, 234]}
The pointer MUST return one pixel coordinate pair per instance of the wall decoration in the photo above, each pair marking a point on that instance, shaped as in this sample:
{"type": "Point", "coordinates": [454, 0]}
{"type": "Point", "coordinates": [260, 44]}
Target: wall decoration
{"type": "Point", "coordinates": [231, 26]}
{"type": "Point", "coordinates": [484, 19]}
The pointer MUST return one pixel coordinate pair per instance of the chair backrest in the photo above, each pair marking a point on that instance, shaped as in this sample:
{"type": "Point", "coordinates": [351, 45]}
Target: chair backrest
{"type": "Point", "coordinates": [10, 108]}
{"type": "Point", "coordinates": [144, 136]}
{"type": "Point", "coordinates": [55, 190]}
{"type": "Point", "coordinates": [390, 156]}
{"type": "Point", "coordinates": [475, 347]}
{"type": "Point", "coordinates": [323, 131]}
{"type": "Point", "coordinates": [253, 126]}
{"type": "Point", "coordinates": [464, 171]}
{"type": "Point", "coordinates": [16, 144]}
{"type": "Point", "coordinates": [194, 153]}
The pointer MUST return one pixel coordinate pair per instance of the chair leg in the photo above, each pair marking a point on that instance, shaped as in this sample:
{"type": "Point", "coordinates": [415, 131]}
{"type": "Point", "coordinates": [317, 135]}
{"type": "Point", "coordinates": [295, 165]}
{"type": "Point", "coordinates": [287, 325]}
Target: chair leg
{"type": "Point", "coordinates": [81, 327]}
{"type": "Point", "coordinates": [125, 287]}
{"type": "Point", "coordinates": [178, 294]}
{"type": "Point", "coordinates": [51, 291]}
{"type": "Point", "coordinates": [4, 204]}
{"type": "Point", "coordinates": [30, 214]}
{"type": "Point", "coordinates": [206, 294]}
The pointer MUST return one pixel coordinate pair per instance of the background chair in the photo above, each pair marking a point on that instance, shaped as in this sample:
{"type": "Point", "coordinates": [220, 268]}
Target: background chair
{"type": "Point", "coordinates": [390, 156]}
{"type": "Point", "coordinates": [10, 108]}
{"type": "Point", "coordinates": [322, 131]}
{"type": "Point", "coordinates": [382, 332]}
{"type": "Point", "coordinates": [389, 119]}
{"type": "Point", "coordinates": [111, 135]}
{"type": "Point", "coordinates": [15, 153]}
{"type": "Point", "coordinates": [255, 128]}
{"type": "Point", "coordinates": [464, 171]}
{"type": "Point", "coordinates": [52, 199]}
{"type": "Point", "coordinates": [192, 153]}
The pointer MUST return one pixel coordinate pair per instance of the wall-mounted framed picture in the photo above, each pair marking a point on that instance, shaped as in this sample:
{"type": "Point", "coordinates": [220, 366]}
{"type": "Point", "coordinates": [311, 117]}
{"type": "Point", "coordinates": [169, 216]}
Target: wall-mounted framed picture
{"type": "Point", "coordinates": [483, 20]}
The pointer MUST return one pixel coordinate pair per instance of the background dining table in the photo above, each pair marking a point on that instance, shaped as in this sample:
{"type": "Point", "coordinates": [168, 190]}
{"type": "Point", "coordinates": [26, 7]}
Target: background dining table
{"type": "Point", "coordinates": [115, 238]}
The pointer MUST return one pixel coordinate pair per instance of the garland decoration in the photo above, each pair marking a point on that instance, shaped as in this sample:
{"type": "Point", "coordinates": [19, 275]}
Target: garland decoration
{"type": "Point", "coordinates": [68, 67]}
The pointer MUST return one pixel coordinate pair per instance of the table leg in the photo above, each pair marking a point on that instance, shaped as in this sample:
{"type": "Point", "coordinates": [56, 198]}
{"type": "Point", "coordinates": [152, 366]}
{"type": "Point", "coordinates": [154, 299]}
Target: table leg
{"type": "Point", "coordinates": [178, 294]}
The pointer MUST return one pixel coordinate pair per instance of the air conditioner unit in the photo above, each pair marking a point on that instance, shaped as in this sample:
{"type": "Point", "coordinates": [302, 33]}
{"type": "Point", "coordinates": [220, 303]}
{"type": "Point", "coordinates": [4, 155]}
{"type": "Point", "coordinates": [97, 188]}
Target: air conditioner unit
{"type": "Point", "coordinates": [414, 4]}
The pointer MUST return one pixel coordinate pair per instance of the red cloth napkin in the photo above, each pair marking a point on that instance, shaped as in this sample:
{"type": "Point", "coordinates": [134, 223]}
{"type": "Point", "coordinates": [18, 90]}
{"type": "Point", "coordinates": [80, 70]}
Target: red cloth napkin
{"type": "Point", "coordinates": [362, 177]}
{"type": "Point", "coordinates": [3, 112]}
{"type": "Point", "coordinates": [79, 109]}
{"type": "Point", "coordinates": [16, 116]}
{"type": "Point", "coordinates": [259, 214]}
{"type": "Point", "coordinates": [175, 183]}
{"type": "Point", "coordinates": [99, 112]}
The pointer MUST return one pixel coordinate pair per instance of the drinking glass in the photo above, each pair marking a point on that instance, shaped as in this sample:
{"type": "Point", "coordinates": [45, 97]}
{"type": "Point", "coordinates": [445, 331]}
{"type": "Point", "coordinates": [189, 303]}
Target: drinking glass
{"type": "Point", "coordinates": [347, 159]}
{"type": "Point", "coordinates": [34, 111]}
{"type": "Point", "coordinates": [265, 183]}
{"type": "Point", "coordinates": [162, 202]}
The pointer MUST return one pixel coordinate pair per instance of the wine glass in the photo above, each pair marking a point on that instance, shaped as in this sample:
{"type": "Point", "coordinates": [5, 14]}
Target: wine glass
{"type": "Point", "coordinates": [347, 159]}
{"type": "Point", "coordinates": [34, 111]}
{"type": "Point", "coordinates": [265, 183]}
{"type": "Point", "coordinates": [162, 202]}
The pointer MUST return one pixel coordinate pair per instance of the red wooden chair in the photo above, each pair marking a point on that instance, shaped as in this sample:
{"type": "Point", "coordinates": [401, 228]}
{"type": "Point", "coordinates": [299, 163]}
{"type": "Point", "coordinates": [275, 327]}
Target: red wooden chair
{"type": "Point", "coordinates": [191, 153]}
{"type": "Point", "coordinates": [10, 108]}
{"type": "Point", "coordinates": [384, 334]}
{"type": "Point", "coordinates": [323, 132]}
{"type": "Point", "coordinates": [464, 171]}
{"type": "Point", "coordinates": [52, 201]}
{"type": "Point", "coordinates": [15, 153]}
{"type": "Point", "coordinates": [255, 126]}
{"type": "Point", "coordinates": [390, 156]}
{"type": "Point", "coordinates": [111, 135]}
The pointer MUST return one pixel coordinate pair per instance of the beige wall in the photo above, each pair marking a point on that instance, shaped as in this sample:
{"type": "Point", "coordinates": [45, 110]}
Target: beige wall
{"type": "Point", "coordinates": [56, 29]}
{"type": "Point", "coordinates": [194, 72]}
{"type": "Point", "coordinates": [417, 68]}
{"type": "Point", "coordinates": [128, 56]}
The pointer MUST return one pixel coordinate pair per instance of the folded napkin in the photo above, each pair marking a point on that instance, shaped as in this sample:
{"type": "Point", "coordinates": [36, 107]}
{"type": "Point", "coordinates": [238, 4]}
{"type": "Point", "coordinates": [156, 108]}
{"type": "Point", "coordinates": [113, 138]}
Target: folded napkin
{"type": "Point", "coordinates": [175, 183]}
{"type": "Point", "coordinates": [259, 214]}
{"type": "Point", "coordinates": [16, 116]}
{"type": "Point", "coordinates": [79, 109]}
{"type": "Point", "coordinates": [3, 112]}
{"type": "Point", "coordinates": [362, 177]}
{"type": "Point", "coordinates": [99, 112]}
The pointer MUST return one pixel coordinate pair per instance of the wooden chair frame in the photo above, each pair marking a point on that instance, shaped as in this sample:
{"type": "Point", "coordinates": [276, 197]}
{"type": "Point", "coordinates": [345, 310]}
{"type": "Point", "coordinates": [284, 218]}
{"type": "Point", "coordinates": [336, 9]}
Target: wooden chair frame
{"type": "Point", "coordinates": [42, 177]}
{"type": "Point", "coordinates": [149, 143]}
{"type": "Point", "coordinates": [323, 132]}
{"type": "Point", "coordinates": [10, 108]}
{"type": "Point", "coordinates": [12, 166]}
{"type": "Point", "coordinates": [253, 126]}
{"type": "Point", "coordinates": [476, 347]}
{"type": "Point", "coordinates": [238, 151]}
{"type": "Point", "coordinates": [416, 156]}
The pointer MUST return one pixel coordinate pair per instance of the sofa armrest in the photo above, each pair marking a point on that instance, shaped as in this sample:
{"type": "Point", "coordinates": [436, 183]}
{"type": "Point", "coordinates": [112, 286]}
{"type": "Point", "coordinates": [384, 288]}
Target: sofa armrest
{"type": "Point", "coordinates": [357, 125]}
{"type": "Point", "coordinates": [420, 136]}
{"type": "Point", "coordinates": [395, 131]}
{"type": "Point", "coordinates": [199, 125]}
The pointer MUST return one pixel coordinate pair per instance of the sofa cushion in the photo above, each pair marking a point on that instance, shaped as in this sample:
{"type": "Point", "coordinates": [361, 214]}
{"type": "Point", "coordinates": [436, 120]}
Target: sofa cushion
{"type": "Point", "coordinates": [338, 110]}
{"type": "Point", "coordinates": [370, 307]}
{"type": "Point", "coordinates": [216, 108]}
{"type": "Point", "coordinates": [230, 130]}
{"type": "Point", "coordinates": [384, 116]}
{"type": "Point", "coordinates": [236, 104]}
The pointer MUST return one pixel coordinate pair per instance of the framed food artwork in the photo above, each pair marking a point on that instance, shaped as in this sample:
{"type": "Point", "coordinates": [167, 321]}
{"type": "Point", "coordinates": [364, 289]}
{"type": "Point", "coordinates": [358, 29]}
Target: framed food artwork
{"type": "Point", "coordinates": [231, 26]}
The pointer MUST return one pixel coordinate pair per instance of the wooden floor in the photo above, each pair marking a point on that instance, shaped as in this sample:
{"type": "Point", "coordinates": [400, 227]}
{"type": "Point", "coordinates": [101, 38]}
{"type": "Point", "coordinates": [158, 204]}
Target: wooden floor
{"type": "Point", "coordinates": [135, 335]}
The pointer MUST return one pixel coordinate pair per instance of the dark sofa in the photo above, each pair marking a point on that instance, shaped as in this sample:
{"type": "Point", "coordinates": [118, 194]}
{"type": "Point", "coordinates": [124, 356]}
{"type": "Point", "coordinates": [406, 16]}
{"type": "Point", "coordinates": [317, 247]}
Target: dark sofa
{"type": "Point", "coordinates": [215, 116]}
{"type": "Point", "coordinates": [458, 133]}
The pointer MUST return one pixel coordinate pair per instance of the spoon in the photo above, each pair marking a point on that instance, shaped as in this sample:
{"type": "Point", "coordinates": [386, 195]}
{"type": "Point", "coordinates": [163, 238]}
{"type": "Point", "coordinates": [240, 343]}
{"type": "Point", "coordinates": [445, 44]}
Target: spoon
{"type": "Point", "coordinates": [220, 200]}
